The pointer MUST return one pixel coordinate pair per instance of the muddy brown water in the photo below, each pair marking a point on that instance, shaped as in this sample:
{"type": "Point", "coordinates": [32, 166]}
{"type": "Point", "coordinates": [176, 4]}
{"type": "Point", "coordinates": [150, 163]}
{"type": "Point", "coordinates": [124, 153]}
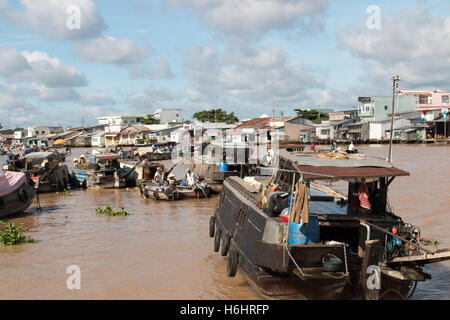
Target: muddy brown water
{"type": "Point", "coordinates": [163, 250]}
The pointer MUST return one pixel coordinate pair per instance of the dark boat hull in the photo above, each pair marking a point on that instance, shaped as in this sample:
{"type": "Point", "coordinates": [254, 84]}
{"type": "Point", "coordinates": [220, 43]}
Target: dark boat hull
{"type": "Point", "coordinates": [268, 267]}
{"type": "Point", "coordinates": [17, 201]}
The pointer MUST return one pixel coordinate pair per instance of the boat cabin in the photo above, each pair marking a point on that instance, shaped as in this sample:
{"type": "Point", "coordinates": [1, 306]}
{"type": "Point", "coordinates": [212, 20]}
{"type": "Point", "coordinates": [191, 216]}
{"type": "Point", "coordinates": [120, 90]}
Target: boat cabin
{"type": "Point", "coordinates": [103, 161]}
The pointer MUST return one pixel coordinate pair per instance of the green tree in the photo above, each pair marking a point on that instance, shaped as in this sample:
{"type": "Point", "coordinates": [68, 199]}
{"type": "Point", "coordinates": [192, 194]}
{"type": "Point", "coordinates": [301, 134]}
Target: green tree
{"type": "Point", "coordinates": [150, 119]}
{"type": "Point", "coordinates": [312, 115]}
{"type": "Point", "coordinates": [216, 115]}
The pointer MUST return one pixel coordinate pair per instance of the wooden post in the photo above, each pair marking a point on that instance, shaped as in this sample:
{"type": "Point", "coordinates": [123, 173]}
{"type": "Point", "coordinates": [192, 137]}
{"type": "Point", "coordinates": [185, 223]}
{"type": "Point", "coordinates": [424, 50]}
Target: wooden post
{"type": "Point", "coordinates": [370, 259]}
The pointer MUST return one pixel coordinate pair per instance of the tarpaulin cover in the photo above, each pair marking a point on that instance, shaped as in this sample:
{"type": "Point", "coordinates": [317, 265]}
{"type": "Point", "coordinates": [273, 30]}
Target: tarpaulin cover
{"type": "Point", "coordinates": [312, 172]}
{"type": "Point", "coordinates": [11, 181]}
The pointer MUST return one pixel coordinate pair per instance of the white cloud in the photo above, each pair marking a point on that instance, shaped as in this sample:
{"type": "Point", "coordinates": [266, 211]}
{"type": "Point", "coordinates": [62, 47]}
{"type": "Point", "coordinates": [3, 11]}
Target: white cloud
{"type": "Point", "coordinates": [39, 67]}
{"type": "Point", "coordinates": [155, 96]}
{"type": "Point", "coordinates": [45, 93]}
{"type": "Point", "coordinates": [161, 70]}
{"type": "Point", "coordinates": [124, 53]}
{"type": "Point", "coordinates": [256, 17]}
{"type": "Point", "coordinates": [412, 44]}
{"type": "Point", "coordinates": [97, 98]}
{"type": "Point", "coordinates": [248, 75]}
{"type": "Point", "coordinates": [49, 18]}
{"type": "Point", "coordinates": [111, 50]}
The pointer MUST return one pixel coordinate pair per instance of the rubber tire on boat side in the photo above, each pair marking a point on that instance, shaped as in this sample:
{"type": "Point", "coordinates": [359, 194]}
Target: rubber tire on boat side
{"type": "Point", "coordinates": [23, 196]}
{"type": "Point", "coordinates": [225, 244]}
{"type": "Point", "coordinates": [217, 240]}
{"type": "Point", "coordinates": [212, 226]}
{"type": "Point", "coordinates": [233, 260]}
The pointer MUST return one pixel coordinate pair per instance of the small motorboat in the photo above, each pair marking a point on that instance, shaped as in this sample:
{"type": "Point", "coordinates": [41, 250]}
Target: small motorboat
{"type": "Point", "coordinates": [170, 193]}
{"type": "Point", "coordinates": [16, 193]}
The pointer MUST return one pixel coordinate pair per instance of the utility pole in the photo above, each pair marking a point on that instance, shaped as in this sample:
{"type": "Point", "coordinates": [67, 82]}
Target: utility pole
{"type": "Point", "coordinates": [319, 113]}
{"type": "Point", "coordinates": [395, 81]}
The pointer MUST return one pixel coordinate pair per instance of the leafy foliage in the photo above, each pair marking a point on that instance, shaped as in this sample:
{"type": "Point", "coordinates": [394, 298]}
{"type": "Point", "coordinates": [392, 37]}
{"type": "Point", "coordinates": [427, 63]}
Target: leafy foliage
{"type": "Point", "coordinates": [216, 115]}
{"type": "Point", "coordinates": [150, 120]}
{"type": "Point", "coordinates": [12, 235]}
{"type": "Point", "coordinates": [312, 115]}
{"type": "Point", "coordinates": [110, 211]}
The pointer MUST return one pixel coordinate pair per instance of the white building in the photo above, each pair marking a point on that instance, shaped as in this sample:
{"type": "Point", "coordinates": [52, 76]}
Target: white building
{"type": "Point", "coordinates": [169, 115]}
{"type": "Point", "coordinates": [122, 120]}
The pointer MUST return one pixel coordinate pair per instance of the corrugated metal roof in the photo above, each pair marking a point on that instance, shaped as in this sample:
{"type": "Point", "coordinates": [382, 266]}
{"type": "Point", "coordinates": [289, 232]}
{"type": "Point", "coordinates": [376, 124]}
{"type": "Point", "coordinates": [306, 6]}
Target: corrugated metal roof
{"type": "Point", "coordinates": [326, 172]}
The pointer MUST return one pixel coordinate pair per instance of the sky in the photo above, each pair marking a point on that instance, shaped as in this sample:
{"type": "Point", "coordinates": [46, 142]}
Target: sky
{"type": "Point", "coordinates": [67, 62]}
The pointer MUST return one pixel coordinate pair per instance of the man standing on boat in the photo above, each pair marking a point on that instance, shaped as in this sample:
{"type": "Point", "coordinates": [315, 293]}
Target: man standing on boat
{"type": "Point", "coordinates": [157, 179]}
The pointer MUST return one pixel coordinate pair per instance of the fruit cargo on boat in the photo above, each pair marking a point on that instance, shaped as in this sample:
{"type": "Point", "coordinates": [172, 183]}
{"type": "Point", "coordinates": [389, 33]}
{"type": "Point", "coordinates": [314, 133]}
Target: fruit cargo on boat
{"type": "Point", "coordinates": [327, 248]}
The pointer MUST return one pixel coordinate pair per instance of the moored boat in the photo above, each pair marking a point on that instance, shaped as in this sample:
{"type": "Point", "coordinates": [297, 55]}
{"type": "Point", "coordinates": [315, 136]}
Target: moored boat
{"type": "Point", "coordinates": [46, 169]}
{"type": "Point", "coordinates": [327, 249]}
{"type": "Point", "coordinates": [102, 171]}
{"type": "Point", "coordinates": [16, 193]}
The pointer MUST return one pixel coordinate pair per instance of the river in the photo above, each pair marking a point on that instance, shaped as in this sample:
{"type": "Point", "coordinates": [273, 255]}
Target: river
{"type": "Point", "coordinates": [163, 250]}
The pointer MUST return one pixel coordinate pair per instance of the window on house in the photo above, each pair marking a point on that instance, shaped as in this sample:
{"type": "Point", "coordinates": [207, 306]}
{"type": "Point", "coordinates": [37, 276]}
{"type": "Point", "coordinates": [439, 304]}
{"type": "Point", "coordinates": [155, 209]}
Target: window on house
{"type": "Point", "coordinates": [423, 99]}
{"type": "Point", "coordinates": [385, 107]}
{"type": "Point", "coordinates": [444, 99]}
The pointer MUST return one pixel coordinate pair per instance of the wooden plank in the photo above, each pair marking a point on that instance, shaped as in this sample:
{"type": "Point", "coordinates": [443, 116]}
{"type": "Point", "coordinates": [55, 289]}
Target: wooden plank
{"type": "Point", "coordinates": [271, 255]}
{"type": "Point", "coordinates": [425, 258]}
{"type": "Point", "coordinates": [370, 259]}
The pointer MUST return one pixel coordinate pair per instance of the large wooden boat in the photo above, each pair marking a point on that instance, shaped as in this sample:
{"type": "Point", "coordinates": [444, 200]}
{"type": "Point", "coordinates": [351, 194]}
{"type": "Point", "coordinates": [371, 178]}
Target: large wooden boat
{"type": "Point", "coordinates": [46, 169]}
{"type": "Point", "coordinates": [102, 171]}
{"type": "Point", "coordinates": [344, 252]}
{"type": "Point", "coordinates": [16, 193]}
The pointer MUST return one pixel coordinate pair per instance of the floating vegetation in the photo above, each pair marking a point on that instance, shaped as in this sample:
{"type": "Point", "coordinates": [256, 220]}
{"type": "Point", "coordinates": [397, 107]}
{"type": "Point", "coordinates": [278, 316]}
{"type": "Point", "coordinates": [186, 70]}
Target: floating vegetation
{"type": "Point", "coordinates": [111, 211]}
{"type": "Point", "coordinates": [67, 192]}
{"type": "Point", "coordinates": [430, 242]}
{"type": "Point", "coordinates": [12, 235]}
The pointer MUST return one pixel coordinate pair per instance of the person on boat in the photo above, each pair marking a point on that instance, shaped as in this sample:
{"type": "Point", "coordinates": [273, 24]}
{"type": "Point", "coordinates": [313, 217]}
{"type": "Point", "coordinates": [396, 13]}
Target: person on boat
{"type": "Point", "coordinates": [171, 179]}
{"type": "Point", "coordinates": [190, 177]}
{"type": "Point", "coordinates": [157, 179]}
{"type": "Point", "coordinates": [363, 195]}
{"type": "Point", "coordinates": [351, 147]}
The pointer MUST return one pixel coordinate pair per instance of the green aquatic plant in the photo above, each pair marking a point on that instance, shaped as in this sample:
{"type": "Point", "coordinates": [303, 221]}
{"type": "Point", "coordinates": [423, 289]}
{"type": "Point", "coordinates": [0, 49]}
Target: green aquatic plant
{"type": "Point", "coordinates": [430, 242]}
{"type": "Point", "coordinates": [67, 192]}
{"type": "Point", "coordinates": [111, 211]}
{"type": "Point", "coordinates": [12, 235]}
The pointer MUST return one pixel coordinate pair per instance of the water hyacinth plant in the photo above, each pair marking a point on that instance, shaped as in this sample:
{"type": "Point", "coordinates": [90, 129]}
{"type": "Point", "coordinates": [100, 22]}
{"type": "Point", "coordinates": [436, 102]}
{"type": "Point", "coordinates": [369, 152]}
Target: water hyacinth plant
{"type": "Point", "coordinates": [12, 235]}
{"type": "Point", "coordinates": [110, 211]}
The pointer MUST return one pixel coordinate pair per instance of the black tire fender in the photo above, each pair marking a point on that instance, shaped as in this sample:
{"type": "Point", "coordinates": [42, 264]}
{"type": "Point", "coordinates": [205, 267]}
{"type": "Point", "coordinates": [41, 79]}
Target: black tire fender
{"type": "Point", "coordinates": [23, 195]}
{"type": "Point", "coordinates": [226, 238]}
{"type": "Point", "coordinates": [212, 226]}
{"type": "Point", "coordinates": [217, 237]}
{"type": "Point", "coordinates": [232, 265]}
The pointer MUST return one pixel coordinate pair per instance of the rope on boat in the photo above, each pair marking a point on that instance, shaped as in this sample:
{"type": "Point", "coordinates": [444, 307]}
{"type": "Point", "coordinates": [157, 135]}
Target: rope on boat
{"type": "Point", "coordinates": [310, 275]}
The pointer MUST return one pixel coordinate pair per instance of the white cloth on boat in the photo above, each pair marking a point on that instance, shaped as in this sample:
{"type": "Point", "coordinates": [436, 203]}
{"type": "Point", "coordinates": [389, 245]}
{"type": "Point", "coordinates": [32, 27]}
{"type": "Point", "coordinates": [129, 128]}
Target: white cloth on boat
{"type": "Point", "coordinates": [11, 181]}
{"type": "Point", "coordinates": [190, 178]}
{"type": "Point", "coordinates": [251, 181]}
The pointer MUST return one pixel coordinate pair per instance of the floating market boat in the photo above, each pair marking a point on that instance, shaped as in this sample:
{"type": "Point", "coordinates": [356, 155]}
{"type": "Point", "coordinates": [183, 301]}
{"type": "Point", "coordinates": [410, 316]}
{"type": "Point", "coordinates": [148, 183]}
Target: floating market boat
{"type": "Point", "coordinates": [16, 193]}
{"type": "Point", "coordinates": [172, 193]}
{"type": "Point", "coordinates": [293, 242]}
{"type": "Point", "coordinates": [102, 171]}
{"type": "Point", "coordinates": [46, 169]}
